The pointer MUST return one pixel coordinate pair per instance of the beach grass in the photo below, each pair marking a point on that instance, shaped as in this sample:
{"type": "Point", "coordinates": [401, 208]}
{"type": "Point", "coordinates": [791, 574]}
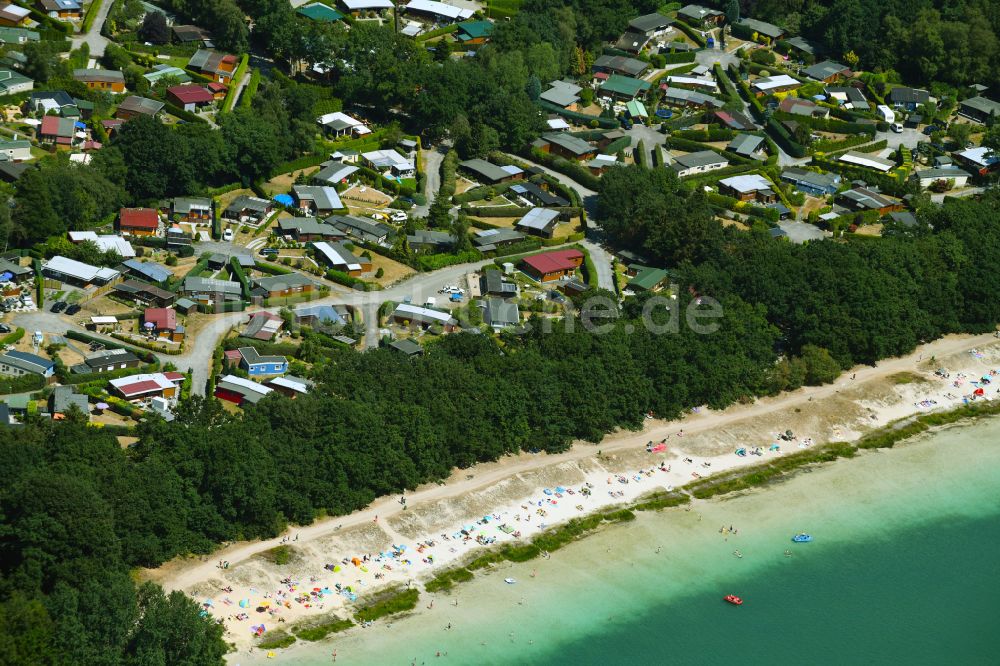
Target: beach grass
{"type": "Point", "coordinates": [278, 555]}
{"type": "Point", "coordinates": [395, 601]}
{"type": "Point", "coordinates": [901, 378]}
{"type": "Point", "coordinates": [276, 640]}
{"type": "Point", "coordinates": [317, 632]}
{"type": "Point", "coordinates": [446, 580]}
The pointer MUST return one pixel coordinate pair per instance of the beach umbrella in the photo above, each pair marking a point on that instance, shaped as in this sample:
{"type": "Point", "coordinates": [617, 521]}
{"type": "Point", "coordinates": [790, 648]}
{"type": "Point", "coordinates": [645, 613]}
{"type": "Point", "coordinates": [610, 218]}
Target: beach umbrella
{"type": "Point", "coordinates": [244, 603]}
{"type": "Point", "coordinates": [355, 561]}
{"type": "Point", "coordinates": [336, 568]}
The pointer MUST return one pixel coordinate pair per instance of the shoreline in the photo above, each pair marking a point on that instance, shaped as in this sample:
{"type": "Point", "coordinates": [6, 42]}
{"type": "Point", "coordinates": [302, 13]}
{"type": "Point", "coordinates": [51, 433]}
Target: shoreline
{"type": "Point", "coordinates": [882, 396]}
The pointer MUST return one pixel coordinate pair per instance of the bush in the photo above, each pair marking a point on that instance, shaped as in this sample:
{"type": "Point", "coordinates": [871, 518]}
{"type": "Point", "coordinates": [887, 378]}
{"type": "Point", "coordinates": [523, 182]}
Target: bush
{"type": "Point", "coordinates": [397, 602]}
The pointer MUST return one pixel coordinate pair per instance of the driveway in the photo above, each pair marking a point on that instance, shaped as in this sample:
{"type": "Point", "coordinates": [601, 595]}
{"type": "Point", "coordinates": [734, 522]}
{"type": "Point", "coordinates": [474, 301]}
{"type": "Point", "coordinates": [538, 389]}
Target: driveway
{"type": "Point", "coordinates": [95, 41]}
{"type": "Point", "coordinates": [909, 138]}
{"type": "Point", "coordinates": [432, 181]}
{"type": "Point", "coordinates": [800, 232]}
{"type": "Point", "coordinates": [649, 136]}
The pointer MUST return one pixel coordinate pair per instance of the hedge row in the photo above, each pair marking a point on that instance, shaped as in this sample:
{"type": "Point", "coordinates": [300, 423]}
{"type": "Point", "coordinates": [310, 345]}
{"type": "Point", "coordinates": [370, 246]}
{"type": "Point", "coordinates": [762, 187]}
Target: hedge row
{"type": "Point", "coordinates": [680, 143]}
{"type": "Point", "coordinates": [580, 118]}
{"type": "Point", "coordinates": [690, 32]}
{"type": "Point", "coordinates": [886, 183]}
{"type": "Point", "coordinates": [574, 170]}
{"type": "Point", "coordinates": [481, 192]}
{"type": "Point", "coordinates": [828, 124]}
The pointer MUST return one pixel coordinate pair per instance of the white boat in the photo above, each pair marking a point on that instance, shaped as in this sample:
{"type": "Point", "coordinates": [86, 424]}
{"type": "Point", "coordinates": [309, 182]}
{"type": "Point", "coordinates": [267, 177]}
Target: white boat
{"type": "Point", "coordinates": [509, 581]}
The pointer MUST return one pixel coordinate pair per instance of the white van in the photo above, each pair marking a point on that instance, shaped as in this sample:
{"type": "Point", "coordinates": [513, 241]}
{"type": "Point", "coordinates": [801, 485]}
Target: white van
{"type": "Point", "coordinates": [896, 127]}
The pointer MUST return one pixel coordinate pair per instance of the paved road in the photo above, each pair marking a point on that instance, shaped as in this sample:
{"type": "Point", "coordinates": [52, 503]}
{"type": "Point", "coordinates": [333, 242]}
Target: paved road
{"type": "Point", "coordinates": [432, 183]}
{"type": "Point", "coordinates": [649, 136]}
{"type": "Point", "coordinates": [800, 232]}
{"type": "Point", "coordinates": [602, 262]}
{"type": "Point", "coordinates": [94, 39]}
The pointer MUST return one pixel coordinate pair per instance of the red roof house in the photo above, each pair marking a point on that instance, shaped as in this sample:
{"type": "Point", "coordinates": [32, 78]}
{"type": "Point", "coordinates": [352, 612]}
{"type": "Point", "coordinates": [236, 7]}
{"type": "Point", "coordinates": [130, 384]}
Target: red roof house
{"type": "Point", "coordinates": [138, 221]}
{"type": "Point", "coordinates": [164, 319]}
{"type": "Point", "coordinates": [189, 97]}
{"type": "Point", "coordinates": [549, 266]}
{"type": "Point", "coordinates": [56, 129]}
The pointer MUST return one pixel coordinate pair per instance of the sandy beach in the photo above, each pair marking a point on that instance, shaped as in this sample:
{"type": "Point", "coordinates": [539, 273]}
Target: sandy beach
{"type": "Point", "coordinates": [335, 564]}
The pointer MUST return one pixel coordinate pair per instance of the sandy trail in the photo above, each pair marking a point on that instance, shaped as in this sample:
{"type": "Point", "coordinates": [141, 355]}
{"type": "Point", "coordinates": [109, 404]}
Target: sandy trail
{"type": "Point", "coordinates": [184, 574]}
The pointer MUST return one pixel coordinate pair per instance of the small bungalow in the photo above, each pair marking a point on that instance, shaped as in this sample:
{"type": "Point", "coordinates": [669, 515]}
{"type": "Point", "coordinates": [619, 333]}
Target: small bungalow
{"type": "Point", "coordinates": [340, 258]}
{"type": "Point", "coordinates": [952, 177]}
{"type": "Point", "coordinates": [698, 15]}
{"type": "Point", "coordinates": [133, 106]}
{"type": "Point", "coordinates": [623, 87]}
{"type": "Point", "coordinates": [163, 323]}
{"type": "Point", "coordinates": [552, 266]}
{"type": "Point", "coordinates": [684, 98]}
{"type": "Point", "coordinates": [138, 221]}
{"type": "Point", "coordinates": [248, 210]}
{"type": "Point", "coordinates": [12, 83]}
{"type": "Point", "coordinates": [76, 272]}
{"type": "Point", "coordinates": [338, 123]}
{"type": "Point", "coordinates": [16, 150]}
{"type": "Point", "coordinates": [702, 161]}
{"type": "Point", "coordinates": [803, 107]}
{"type": "Point", "coordinates": [500, 314]}
{"type": "Point", "coordinates": [150, 271]}
{"type": "Point", "coordinates": [217, 66]}
{"type": "Point", "coordinates": [474, 33]}
{"type": "Point", "coordinates": [145, 386]}
{"type": "Point", "coordinates": [827, 71]}
{"type": "Point", "coordinates": [142, 292]}
{"type": "Point", "coordinates": [333, 172]}
{"type": "Point", "coordinates": [812, 182]}
{"type": "Point", "coordinates": [240, 391]}
{"type": "Point", "coordinates": [489, 240]}
{"type": "Point", "coordinates": [106, 80]}
{"type": "Point", "coordinates": [209, 291]}
{"type": "Point", "coordinates": [647, 279]}
{"type": "Point", "coordinates": [539, 222]}
{"type": "Point", "coordinates": [980, 109]}
{"type": "Point", "coordinates": [619, 65]}
{"type": "Point", "coordinates": [407, 347]}
{"type": "Point", "coordinates": [15, 15]}
{"type": "Point", "coordinates": [359, 228]}
{"type": "Point", "coordinates": [770, 85]}
{"type": "Point", "coordinates": [867, 161]}
{"type": "Point", "coordinates": [749, 187]}
{"type": "Point", "coordinates": [564, 94]}
{"type": "Point", "coordinates": [110, 360]}
{"type": "Point", "coordinates": [190, 97]}
{"type": "Point", "coordinates": [61, 9]}
{"type": "Point", "coordinates": [492, 283]}
{"type": "Point", "coordinates": [263, 326]}
{"type": "Point", "coordinates": [415, 315]}
{"type": "Point", "coordinates": [863, 199]}
{"type": "Point", "coordinates": [18, 363]}
{"type": "Point", "coordinates": [305, 229]}
{"type": "Point", "coordinates": [908, 98]}
{"type": "Point", "coordinates": [747, 145]}
{"type": "Point", "coordinates": [257, 364]}
{"type": "Point", "coordinates": [424, 240]}
{"type": "Point", "coordinates": [766, 33]}
{"type": "Point", "coordinates": [321, 315]}
{"type": "Point", "coordinates": [389, 162]}
{"type": "Point", "coordinates": [489, 173]}
{"type": "Point", "coordinates": [192, 209]}
{"type": "Point", "coordinates": [317, 199]}
{"type": "Point", "coordinates": [64, 399]}
{"type": "Point", "coordinates": [565, 145]}
{"type": "Point", "coordinates": [537, 196]}
{"type": "Point", "coordinates": [280, 286]}
{"type": "Point", "coordinates": [980, 160]}
{"type": "Point", "coordinates": [733, 120]}
{"type": "Point", "coordinates": [289, 385]}
{"type": "Point", "coordinates": [60, 131]}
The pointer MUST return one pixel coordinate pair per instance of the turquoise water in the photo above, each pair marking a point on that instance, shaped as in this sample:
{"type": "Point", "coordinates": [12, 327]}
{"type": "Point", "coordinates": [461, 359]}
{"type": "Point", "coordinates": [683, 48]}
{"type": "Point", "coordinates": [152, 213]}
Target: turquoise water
{"type": "Point", "coordinates": [903, 569]}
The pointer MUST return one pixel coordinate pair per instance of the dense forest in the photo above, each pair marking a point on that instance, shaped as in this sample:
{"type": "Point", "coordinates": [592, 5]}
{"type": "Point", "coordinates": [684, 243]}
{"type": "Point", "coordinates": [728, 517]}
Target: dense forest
{"type": "Point", "coordinates": [949, 41]}
{"type": "Point", "coordinates": [79, 512]}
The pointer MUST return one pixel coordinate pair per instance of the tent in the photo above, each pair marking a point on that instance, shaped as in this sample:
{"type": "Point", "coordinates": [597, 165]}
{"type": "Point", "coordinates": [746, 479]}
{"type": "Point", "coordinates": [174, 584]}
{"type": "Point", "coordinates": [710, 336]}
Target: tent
{"type": "Point", "coordinates": [355, 561]}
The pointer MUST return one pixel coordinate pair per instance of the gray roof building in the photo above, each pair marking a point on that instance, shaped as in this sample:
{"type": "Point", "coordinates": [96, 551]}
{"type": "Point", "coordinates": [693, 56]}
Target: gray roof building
{"type": "Point", "coordinates": [490, 172]}
{"type": "Point", "coordinates": [334, 172]}
{"type": "Point", "coordinates": [568, 142]}
{"type": "Point", "coordinates": [488, 240]}
{"type": "Point", "coordinates": [63, 399]}
{"type": "Point", "coordinates": [822, 71]}
{"type": "Point", "coordinates": [143, 105]}
{"type": "Point", "coordinates": [621, 65]}
{"type": "Point", "coordinates": [561, 93]}
{"type": "Point", "coordinates": [684, 97]}
{"type": "Point", "coordinates": [322, 197]}
{"type": "Point", "coordinates": [761, 27]}
{"type": "Point", "coordinates": [699, 159]}
{"type": "Point", "coordinates": [745, 145]}
{"type": "Point", "coordinates": [361, 229]}
{"type": "Point", "coordinates": [500, 314]}
{"type": "Point", "coordinates": [147, 270]}
{"type": "Point", "coordinates": [424, 239]}
{"type": "Point", "coordinates": [201, 285]}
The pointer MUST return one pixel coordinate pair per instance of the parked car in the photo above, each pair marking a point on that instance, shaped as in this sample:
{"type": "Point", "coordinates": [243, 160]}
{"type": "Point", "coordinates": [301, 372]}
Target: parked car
{"type": "Point", "coordinates": [227, 235]}
{"type": "Point", "coordinates": [4, 328]}
{"type": "Point", "coordinates": [896, 127]}
{"type": "Point", "coordinates": [269, 252]}
{"type": "Point", "coordinates": [73, 309]}
{"type": "Point", "coordinates": [930, 129]}
{"type": "Point", "coordinates": [58, 306]}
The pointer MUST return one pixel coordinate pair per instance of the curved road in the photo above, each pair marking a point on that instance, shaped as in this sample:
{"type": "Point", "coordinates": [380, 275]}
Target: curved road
{"type": "Point", "coordinates": [93, 38]}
